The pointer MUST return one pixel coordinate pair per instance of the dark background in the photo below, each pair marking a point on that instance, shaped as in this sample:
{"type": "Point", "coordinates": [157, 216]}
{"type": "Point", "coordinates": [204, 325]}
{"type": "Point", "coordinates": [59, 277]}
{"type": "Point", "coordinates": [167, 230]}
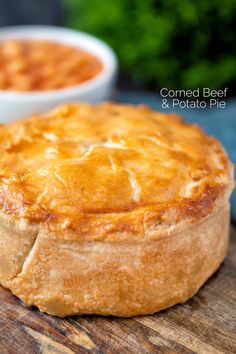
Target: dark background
{"type": "Point", "coordinates": [30, 12]}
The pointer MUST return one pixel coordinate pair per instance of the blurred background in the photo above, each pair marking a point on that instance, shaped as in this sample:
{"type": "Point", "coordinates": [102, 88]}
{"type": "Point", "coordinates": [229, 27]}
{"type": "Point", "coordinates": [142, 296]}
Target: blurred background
{"type": "Point", "coordinates": [175, 44]}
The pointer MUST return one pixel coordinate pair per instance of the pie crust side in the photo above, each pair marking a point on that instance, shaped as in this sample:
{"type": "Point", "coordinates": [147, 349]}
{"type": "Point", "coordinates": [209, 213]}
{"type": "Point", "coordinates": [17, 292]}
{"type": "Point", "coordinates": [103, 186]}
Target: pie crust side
{"type": "Point", "coordinates": [123, 278]}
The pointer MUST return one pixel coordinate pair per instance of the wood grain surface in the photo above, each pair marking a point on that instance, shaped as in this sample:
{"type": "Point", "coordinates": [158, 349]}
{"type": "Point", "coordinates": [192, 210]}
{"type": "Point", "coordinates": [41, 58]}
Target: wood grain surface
{"type": "Point", "coordinates": [206, 324]}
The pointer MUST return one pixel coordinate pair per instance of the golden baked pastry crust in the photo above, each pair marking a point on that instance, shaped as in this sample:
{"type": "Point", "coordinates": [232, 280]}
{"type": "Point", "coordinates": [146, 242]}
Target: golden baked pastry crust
{"type": "Point", "coordinates": [110, 209]}
{"type": "Point", "coordinates": [109, 168]}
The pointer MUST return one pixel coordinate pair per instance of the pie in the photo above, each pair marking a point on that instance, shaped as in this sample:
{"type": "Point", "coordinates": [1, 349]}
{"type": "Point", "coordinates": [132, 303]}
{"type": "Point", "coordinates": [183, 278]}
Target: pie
{"type": "Point", "coordinates": [110, 209]}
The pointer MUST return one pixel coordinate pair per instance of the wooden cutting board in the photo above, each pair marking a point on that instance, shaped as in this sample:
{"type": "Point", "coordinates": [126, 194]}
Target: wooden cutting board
{"type": "Point", "coordinates": [206, 324]}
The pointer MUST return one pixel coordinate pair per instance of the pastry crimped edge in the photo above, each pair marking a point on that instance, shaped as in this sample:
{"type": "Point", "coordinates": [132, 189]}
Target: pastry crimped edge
{"type": "Point", "coordinates": [122, 276]}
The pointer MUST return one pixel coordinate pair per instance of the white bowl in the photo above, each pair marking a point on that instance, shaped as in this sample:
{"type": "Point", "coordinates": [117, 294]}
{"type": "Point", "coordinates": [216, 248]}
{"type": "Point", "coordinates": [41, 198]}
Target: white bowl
{"type": "Point", "coordinates": [15, 104]}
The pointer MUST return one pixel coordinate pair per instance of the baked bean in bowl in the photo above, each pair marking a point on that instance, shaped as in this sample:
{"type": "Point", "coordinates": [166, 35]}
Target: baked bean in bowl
{"type": "Point", "coordinates": [43, 66]}
{"type": "Point", "coordinates": [38, 65]}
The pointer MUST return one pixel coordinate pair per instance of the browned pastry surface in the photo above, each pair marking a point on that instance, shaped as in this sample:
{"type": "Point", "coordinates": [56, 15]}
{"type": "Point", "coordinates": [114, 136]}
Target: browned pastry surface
{"type": "Point", "coordinates": [110, 168]}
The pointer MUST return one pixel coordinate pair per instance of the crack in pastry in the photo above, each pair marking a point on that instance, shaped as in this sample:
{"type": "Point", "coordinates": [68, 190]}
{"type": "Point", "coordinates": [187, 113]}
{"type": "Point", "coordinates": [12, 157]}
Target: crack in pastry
{"type": "Point", "coordinates": [27, 257]}
{"type": "Point", "coordinates": [16, 242]}
{"type": "Point", "coordinates": [110, 209]}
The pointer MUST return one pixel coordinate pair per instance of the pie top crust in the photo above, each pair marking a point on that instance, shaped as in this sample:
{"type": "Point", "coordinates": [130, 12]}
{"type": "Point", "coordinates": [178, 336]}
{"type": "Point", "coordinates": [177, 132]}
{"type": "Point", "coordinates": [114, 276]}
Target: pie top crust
{"type": "Point", "coordinates": [92, 172]}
